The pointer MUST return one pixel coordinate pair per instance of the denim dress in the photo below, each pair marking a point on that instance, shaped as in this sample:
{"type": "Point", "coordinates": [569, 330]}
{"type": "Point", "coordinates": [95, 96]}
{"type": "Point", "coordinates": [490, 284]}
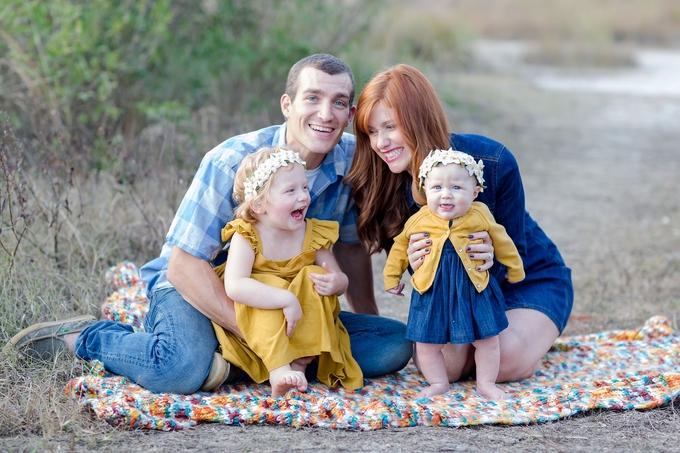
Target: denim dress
{"type": "Point", "coordinates": [451, 310]}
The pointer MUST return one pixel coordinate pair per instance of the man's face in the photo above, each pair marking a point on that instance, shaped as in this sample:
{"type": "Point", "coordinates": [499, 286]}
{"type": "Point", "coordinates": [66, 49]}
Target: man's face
{"type": "Point", "coordinates": [318, 115]}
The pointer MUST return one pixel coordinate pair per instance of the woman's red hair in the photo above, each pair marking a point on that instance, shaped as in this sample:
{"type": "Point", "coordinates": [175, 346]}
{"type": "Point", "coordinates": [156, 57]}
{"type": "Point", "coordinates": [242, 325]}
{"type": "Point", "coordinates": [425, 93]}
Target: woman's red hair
{"type": "Point", "coordinates": [379, 194]}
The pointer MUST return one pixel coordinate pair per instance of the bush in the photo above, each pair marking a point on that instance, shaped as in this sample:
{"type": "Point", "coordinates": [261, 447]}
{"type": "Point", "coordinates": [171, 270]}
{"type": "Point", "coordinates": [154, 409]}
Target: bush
{"type": "Point", "coordinates": [92, 74]}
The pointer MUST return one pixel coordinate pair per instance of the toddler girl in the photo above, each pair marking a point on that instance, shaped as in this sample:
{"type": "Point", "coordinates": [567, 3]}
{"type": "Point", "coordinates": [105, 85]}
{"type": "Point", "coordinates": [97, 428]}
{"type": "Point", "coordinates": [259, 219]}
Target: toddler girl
{"type": "Point", "coordinates": [284, 280]}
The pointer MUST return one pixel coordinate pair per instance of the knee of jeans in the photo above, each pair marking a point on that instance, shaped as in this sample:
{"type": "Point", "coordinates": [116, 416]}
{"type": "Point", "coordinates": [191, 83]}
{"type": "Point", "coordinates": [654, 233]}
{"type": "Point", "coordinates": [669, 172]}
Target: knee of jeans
{"type": "Point", "coordinates": [393, 357]}
{"type": "Point", "coordinates": [183, 375]}
{"type": "Point", "coordinates": [403, 353]}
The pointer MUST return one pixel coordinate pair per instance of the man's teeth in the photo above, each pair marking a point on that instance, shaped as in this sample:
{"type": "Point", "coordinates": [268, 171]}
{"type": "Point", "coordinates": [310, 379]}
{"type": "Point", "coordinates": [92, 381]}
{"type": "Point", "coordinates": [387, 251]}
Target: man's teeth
{"type": "Point", "coordinates": [321, 129]}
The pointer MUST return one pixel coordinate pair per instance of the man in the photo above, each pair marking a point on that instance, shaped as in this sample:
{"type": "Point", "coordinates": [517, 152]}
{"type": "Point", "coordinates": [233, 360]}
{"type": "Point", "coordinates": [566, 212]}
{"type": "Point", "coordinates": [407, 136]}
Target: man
{"type": "Point", "coordinates": [177, 352]}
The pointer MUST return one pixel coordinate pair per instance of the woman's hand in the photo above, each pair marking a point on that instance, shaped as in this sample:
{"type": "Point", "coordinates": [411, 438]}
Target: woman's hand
{"type": "Point", "coordinates": [418, 247]}
{"type": "Point", "coordinates": [481, 251]}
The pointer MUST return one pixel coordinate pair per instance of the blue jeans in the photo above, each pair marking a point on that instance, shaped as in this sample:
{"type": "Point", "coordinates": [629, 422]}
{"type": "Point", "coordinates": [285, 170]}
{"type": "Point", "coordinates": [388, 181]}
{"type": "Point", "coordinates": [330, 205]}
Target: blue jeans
{"type": "Point", "coordinates": [175, 353]}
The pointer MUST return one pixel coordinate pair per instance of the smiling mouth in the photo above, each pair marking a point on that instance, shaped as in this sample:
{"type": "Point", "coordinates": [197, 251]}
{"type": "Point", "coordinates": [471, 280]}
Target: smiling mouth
{"type": "Point", "coordinates": [393, 155]}
{"type": "Point", "coordinates": [325, 130]}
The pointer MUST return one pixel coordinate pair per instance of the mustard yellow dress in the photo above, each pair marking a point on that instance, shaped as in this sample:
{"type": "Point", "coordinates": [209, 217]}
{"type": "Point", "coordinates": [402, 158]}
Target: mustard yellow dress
{"type": "Point", "coordinates": [318, 333]}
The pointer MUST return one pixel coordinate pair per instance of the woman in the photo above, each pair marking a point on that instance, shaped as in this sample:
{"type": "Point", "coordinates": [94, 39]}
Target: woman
{"type": "Point", "coordinates": [399, 120]}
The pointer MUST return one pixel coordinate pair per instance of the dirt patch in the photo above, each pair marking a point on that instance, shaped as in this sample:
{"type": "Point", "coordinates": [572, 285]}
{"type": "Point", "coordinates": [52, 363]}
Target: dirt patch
{"type": "Point", "coordinates": [600, 173]}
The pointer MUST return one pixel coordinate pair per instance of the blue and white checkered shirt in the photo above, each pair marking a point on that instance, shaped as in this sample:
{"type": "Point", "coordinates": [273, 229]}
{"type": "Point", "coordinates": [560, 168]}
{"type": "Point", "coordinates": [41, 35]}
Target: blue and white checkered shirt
{"type": "Point", "coordinates": [207, 205]}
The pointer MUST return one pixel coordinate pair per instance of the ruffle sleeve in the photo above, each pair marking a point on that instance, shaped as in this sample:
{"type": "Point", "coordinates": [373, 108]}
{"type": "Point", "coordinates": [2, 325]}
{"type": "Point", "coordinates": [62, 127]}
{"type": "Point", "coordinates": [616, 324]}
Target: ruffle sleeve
{"type": "Point", "coordinates": [324, 233]}
{"type": "Point", "coordinates": [243, 228]}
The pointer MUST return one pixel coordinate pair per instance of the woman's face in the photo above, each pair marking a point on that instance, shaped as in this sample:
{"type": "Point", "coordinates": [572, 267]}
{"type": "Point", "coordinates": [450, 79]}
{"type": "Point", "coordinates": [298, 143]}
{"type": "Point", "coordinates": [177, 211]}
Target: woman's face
{"type": "Point", "coordinates": [387, 140]}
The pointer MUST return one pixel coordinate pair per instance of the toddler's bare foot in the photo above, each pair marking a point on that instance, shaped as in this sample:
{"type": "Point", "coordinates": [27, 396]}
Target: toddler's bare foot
{"type": "Point", "coordinates": [432, 390]}
{"type": "Point", "coordinates": [283, 379]}
{"type": "Point", "coordinates": [489, 390]}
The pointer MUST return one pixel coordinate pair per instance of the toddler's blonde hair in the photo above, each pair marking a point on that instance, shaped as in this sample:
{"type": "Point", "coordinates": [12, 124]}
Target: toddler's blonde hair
{"type": "Point", "coordinates": [247, 168]}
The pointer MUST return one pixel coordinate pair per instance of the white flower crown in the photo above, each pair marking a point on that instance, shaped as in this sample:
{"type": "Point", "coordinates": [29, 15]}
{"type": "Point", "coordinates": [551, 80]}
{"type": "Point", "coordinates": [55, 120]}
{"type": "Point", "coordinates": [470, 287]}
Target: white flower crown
{"type": "Point", "coordinates": [267, 168]}
{"type": "Point", "coordinates": [450, 156]}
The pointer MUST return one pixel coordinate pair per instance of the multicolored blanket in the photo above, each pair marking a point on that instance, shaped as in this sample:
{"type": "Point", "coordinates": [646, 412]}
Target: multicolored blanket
{"type": "Point", "coordinates": [617, 370]}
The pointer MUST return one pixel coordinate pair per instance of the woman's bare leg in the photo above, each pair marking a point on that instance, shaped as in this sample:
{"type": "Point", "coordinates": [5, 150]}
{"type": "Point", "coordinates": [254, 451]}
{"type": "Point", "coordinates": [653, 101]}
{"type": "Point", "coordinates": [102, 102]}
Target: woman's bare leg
{"type": "Point", "coordinates": [524, 343]}
{"type": "Point", "coordinates": [487, 359]}
{"type": "Point", "coordinates": [431, 362]}
{"type": "Point", "coordinates": [529, 336]}
{"type": "Point", "coordinates": [459, 359]}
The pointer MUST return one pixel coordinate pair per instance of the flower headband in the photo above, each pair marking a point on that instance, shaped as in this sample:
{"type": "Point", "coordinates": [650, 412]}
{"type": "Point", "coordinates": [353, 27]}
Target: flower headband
{"type": "Point", "coordinates": [267, 168]}
{"type": "Point", "coordinates": [450, 156]}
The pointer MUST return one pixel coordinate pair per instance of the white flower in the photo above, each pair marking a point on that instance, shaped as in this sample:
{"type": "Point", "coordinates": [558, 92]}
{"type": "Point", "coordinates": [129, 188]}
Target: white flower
{"type": "Point", "coordinates": [267, 168]}
{"type": "Point", "coordinates": [450, 156]}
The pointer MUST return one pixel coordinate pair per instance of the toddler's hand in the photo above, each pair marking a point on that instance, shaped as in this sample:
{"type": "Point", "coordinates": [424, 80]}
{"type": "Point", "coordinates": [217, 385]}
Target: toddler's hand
{"type": "Point", "coordinates": [292, 312]}
{"type": "Point", "coordinates": [330, 283]}
{"type": "Point", "coordinates": [397, 290]}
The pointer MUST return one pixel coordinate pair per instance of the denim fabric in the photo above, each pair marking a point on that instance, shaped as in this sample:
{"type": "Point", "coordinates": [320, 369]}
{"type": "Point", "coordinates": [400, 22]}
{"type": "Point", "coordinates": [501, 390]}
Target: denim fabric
{"type": "Point", "coordinates": [175, 352]}
{"type": "Point", "coordinates": [173, 355]}
{"type": "Point", "coordinates": [451, 310]}
{"type": "Point", "coordinates": [378, 344]}
{"type": "Point", "coordinates": [547, 286]}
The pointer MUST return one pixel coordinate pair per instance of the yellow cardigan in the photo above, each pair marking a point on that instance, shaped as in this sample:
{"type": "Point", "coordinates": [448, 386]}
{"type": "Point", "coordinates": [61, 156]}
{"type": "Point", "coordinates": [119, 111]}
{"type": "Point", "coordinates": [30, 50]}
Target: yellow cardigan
{"type": "Point", "coordinates": [478, 218]}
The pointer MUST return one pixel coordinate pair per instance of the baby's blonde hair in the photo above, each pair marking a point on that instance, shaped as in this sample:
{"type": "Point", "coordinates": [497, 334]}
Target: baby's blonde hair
{"type": "Point", "coordinates": [248, 166]}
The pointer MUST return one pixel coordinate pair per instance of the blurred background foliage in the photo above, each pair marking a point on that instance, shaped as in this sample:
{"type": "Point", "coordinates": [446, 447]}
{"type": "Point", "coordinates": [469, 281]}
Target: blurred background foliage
{"type": "Point", "coordinates": [93, 74]}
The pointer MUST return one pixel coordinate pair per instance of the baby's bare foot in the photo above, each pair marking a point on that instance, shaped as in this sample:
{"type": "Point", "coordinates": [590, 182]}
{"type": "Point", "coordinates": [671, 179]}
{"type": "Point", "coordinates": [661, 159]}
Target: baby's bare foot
{"type": "Point", "coordinates": [283, 379]}
{"type": "Point", "coordinates": [432, 390]}
{"type": "Point", "coordinates": [490, 391]}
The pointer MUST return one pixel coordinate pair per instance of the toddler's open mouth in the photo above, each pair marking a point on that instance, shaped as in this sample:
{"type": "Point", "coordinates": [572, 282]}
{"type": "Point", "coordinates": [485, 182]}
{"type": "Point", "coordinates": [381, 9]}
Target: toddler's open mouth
{"type": "Point", "coordinates": [298, 214]}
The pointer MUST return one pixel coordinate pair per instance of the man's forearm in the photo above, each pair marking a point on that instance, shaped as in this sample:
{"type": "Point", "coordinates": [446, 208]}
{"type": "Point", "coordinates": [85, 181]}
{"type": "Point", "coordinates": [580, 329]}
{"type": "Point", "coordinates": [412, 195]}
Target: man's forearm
{"type": "Point", "coordinates": [199, 285]}
{"type": "Point", "coordinates": [356, 264]}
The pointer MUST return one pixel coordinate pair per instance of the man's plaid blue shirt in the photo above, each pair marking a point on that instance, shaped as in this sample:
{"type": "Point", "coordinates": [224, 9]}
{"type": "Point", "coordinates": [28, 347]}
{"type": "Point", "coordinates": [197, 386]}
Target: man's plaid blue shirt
{"type": "Point", "coordinates": [207, 205]}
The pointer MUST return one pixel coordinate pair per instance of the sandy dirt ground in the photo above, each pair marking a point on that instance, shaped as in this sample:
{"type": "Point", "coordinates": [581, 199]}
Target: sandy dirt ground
{"type": "Point", "coordinates": [600, 173]}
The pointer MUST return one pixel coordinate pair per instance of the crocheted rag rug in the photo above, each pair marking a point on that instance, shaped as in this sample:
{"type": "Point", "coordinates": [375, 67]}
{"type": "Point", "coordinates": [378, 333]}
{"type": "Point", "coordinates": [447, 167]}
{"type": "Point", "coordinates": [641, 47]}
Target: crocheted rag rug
{"type": "Point", "coordinates": [616, 370]}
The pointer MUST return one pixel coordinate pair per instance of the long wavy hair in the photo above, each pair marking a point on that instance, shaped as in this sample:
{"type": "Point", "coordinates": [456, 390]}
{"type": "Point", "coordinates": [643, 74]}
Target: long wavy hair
{"type": "Point", "coordinates": [380, 195]}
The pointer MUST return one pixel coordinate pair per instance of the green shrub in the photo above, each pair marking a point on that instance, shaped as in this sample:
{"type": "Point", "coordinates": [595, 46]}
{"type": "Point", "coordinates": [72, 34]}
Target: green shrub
{"type": "Point", "coordinates": [95, 73]}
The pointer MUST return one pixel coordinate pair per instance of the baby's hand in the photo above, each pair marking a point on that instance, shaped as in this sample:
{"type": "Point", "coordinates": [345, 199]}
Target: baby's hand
{"type": "Point", "coordinates": [397, 290]}
{"type": "Point", "coordinates": [329, 283]}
